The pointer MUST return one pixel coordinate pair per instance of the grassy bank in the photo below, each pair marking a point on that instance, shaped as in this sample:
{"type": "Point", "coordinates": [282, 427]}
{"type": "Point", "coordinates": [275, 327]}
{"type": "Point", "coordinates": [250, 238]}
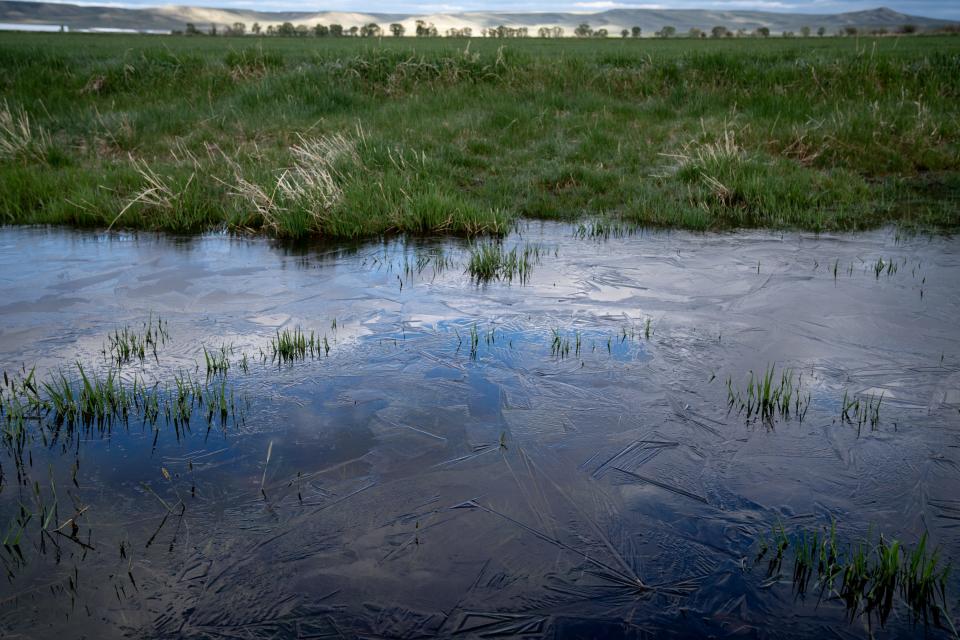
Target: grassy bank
{"type": "Point", "coordinates": [356, 137]}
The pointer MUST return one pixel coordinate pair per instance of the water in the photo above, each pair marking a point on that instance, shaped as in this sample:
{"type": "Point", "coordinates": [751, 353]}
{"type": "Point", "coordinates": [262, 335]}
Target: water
{"type": "Point", "coordinates": [418, 486]}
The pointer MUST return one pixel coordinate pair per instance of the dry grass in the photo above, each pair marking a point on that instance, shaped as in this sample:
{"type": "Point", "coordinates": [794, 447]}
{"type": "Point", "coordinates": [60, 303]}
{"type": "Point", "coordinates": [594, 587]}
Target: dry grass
{"type": "Point", "coordinates": [19, 139]}
{"type": "Point", "coordinates": [311, 184]}
{"type": "Point", "coordinates": [157, 193]}
{"type": "Point", "coordinates": [705, 160]}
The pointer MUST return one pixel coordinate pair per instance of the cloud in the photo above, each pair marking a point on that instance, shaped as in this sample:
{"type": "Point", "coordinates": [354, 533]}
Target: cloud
{"type": "Point", "coordinates": [602, 5]}
{"type": "Point", "coordinates": [947, 9]}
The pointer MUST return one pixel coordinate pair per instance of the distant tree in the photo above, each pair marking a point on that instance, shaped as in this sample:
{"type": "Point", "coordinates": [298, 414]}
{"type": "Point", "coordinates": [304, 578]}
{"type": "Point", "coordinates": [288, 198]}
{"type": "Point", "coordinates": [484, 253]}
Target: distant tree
{"type": "Point", "coordinates": [192, 30]}
{"type": "Point", "coordinates": [850, 31]}
{"type": "Point", "coordinates": [625, 33]}
{"type": "Point", "coordinates": [667, 32]}
{"type": "Point", "coordinates": [213, 30]}
{"type": "Point", "coordinates": [256, 28]}
{"type": "Point", "coordinates": [908, 28]}
{"type": "Point", "coordinates": [543, 32]}
{"type": "Point", "coordinates": [741, 33]}
{"type": "Point", "coordinates": [271, 30]}
{"type": "Point", "coordinates": [821, 31]}
{"type": "Point", "coordinates": [321, 30]}
{"type": "Point", "coordinates": [371, 30]}
{"type": "Point", "coordinates": [354, 30]}
{"type": "Point", "coordinates": [286, 29]}
{"type": "Point", "coordinates": [601, 33]}
{"type": "Point", "coordinates": [336, 30]}
{"type": "Point", "coordinates": [425, 29]}
{"type": "Point", "coordinates": [636, 31]}
{"type": "Point", "coordinates": [397, 29]}
{"type": "Point", "coordinates": [694, 32]}
{"type": "Point", "coordinates": [583, 30]}
{"type": "Point", "coordinates": [237, 29]}
{"type": "Point", "coordinates": [557, 32]}
{"type": "Point", "coordinates": [788, 34]}
{"type": "Point", "coordinates": [302, 30]}
{"type": "Point", "coordinates": [763, 32]}
{"type": "Point", "coordinates": [718, 32]}
{"type": "Point", "coordinates": [805, 31]}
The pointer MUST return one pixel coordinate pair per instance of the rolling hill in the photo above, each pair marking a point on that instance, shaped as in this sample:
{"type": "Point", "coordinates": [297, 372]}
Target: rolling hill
{"type": "Point", "coordinates": [167, 18]}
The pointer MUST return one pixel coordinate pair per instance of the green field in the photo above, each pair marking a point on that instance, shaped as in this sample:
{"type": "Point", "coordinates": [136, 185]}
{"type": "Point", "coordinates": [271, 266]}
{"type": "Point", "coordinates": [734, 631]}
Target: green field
{"type": "Point", "coordinates": [352, 137]}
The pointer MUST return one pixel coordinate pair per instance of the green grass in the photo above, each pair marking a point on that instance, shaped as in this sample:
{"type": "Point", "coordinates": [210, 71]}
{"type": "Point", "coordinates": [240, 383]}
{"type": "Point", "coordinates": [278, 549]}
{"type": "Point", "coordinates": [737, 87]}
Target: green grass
{"type": "Point", "coordinates": [125, 344]}
{"type": "Point", "coordinates": [561, 345]}
{"type": "Point", "coordinates": [217, 361]}
{"type": "Point", "coordinates": [861, 411]}
{"type": "Point", "coordinates": [294, 344]}
{"type": "Point", "coordinates": [345, 138]}
{"type": "Point", "coordinates": [769, 397]}
{"type": "Point", "coordinates": [867, 577]}
{"type": "Point", "coordinates": [491, 261]}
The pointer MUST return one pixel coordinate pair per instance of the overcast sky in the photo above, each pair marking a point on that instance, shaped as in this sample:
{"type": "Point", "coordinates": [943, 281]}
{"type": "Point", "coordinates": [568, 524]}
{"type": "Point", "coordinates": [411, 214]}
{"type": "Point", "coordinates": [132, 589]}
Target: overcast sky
{"type": "Point", "coordinates": [947, 9]}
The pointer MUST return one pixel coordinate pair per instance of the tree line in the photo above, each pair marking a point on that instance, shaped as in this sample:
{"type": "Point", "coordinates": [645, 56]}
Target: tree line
{"type": "Point", "coordinates": [425, 29]}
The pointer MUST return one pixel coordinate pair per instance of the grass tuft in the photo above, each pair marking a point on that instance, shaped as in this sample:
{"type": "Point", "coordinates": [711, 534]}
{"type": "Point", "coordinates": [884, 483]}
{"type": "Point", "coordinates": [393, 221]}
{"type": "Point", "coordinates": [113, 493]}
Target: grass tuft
{"type": "Point", "coordinates": [290, 345]}
{"type": "Point", "coordinates": [491, 261]}
{"type": "Point", "coordinates": [19, 138]}
{"type": "Point", "coordinates": [866, 576]}
{"type": "Point", "coordinates": [769, 397]}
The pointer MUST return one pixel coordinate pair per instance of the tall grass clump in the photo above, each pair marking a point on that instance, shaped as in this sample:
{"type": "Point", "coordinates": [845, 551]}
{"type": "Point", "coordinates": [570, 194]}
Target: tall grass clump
{"type": "Point", "coordinates": [252, 62]}
{"type": "Point", "coordinates": [304, 193]}
{"type": "Point", "coordinates": [179, 200]}
{"type": "Point", "coordinates": [741, 188]}
{"type": "Point", "coordinates": [19, 138]}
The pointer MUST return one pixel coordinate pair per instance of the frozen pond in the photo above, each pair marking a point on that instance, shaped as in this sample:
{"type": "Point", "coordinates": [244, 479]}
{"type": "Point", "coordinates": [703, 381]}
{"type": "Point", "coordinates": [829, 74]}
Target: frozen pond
{"type": "Point", "coordinates": [549, 458]}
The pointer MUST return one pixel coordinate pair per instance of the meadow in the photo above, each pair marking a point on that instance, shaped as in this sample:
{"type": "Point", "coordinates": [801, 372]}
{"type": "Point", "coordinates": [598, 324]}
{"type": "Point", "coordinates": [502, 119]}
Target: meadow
{"type": "Point", "coordinates": [350, 137]}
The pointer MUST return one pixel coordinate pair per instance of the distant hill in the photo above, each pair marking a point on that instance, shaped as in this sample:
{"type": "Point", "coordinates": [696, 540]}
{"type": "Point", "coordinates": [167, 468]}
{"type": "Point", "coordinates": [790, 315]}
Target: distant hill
{"type": "Point", "coordinates": [78, 18]}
